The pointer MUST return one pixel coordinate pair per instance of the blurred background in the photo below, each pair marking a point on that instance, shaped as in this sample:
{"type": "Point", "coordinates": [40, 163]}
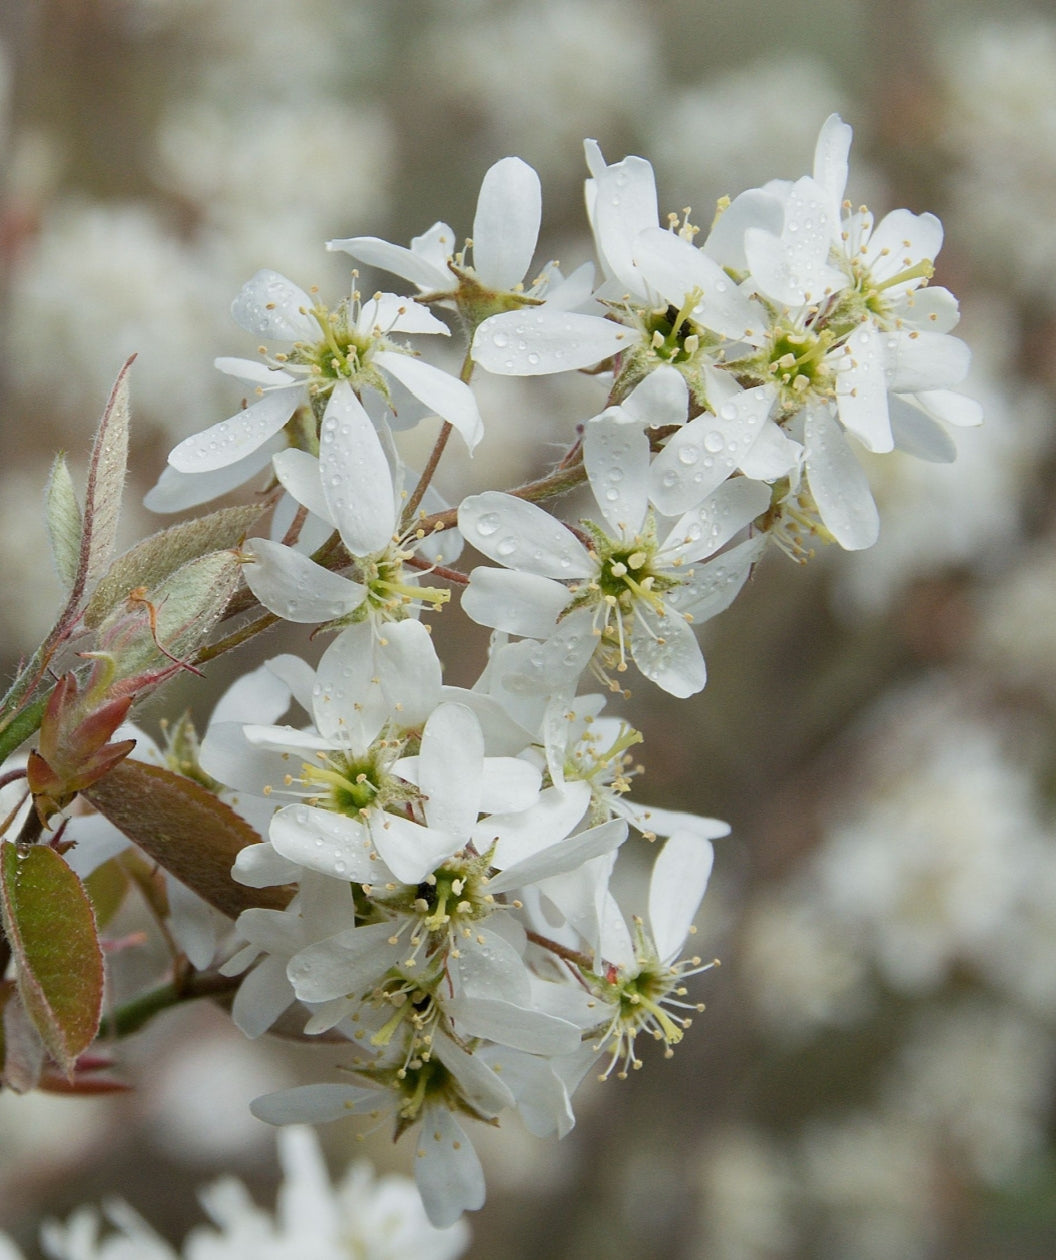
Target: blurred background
{"type": "Point", "coordinates": [873, 1077]}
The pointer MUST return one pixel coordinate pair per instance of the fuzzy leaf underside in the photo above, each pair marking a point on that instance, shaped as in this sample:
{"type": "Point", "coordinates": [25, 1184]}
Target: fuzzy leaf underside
{"type": "Point", "coordinates": [49, 924]}
{"type": "Point", "coordinates": [65, 527]}
{"type": "Point", "coordinates": [186, 829]}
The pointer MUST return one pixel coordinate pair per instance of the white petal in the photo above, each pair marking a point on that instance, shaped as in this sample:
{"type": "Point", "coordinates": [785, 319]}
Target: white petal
{"type": "Point", "coordinates": [519, 603]}
{"type": "Point", "coordinates": [539, 342]}
{"type": "Point", "coordinates": [839, 484]}
{"type": "Point", "coordinates": [772, 455]}
{"type": "Point", "coordinates": [451, 763]}
{"type": "Point", "coordinates": [410, 851]}
{"type": "Point", "coordinates": [752, 209]}
{"type": "Point", "coordinates": [622, 202]}
{"type": "Point", "coordinates": [326, 842]}
{"type": "Point", "coordinates": [916, 433]}
{"type": "Point", "coordinates": [522, 536]}
{"type": "Point", "coordinates": [395, 258]}
{"type": "Point", "coordinates": [702, 454]}
{"type": "Point", "coordinates": [393, 312]}
{"type": "Point", "coordinates": [616, 457]}
{"type": "Point", "coordinates": [274, 307]}
{"type": "Point", "coordinates": [675, 268]}
{"type": "Point", "coordinates": [701, 532]}
{"type": "Point", "coordinates": [451, 399]}
{"type": "Point", "coordinates": [680, 876]}
{"type": "Point", "coordinates": [715, 585]}
{"type": "Point", "coordinates": [669, 655]}
{"type": "Point", "coordinates": [343, 965]}
{"type": "Point", "coordinates": [901, 240]}
{"type": "Point", "coordinates": [177, 491]}
{"type": "Point", "coordinates": [509, 1025]}
{"type": "Point", "coordinates": [506, 225]}
{"type": "Point", "coordinates": [568, 855]}
{"type": "Point", "coordinates": [447, 1170]}
{"type": "Point", "coordinates": [830, 162]}
{"type": "Point", "coordinates": [296, 588]}
{"type": "Point", "coordinates": [924, 361]}
{"type": "Point", "coordinates": [240, 435]}
{"type": "Point", "coordinates": [312, 1104]}
{"type": "Point", "coordinates": [861, 391]}
{"type": "Point", "coordinates": [523, 833]}
{"type": "Point", "coordinates": [298, 472]}
{"type": "Point", "coordinates": [357, 481]}
{"type": "Point", "coordinates": [950, 407]}
{"type": "Point", "coordinates": [508, 784]}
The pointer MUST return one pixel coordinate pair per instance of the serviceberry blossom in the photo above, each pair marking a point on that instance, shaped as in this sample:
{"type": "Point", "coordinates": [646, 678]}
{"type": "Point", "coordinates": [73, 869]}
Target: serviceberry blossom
{"type": "Point", "coordinates": [353, 343]}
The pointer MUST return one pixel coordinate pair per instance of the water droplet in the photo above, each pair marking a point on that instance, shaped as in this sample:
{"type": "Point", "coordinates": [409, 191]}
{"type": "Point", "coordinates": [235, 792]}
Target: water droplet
{"type": "Point", "coordinates": [507, 547]}
{"type": "Point", "coordinates": [714, 442]}
{"type": "Point", "coordinates": [688, 454]}
{"type": "Point", "coordinates": [500, 340]}
{"type": "Point", "coordinates": [488, 523]}
{"type": "Point", "coordinates": [728, 411]}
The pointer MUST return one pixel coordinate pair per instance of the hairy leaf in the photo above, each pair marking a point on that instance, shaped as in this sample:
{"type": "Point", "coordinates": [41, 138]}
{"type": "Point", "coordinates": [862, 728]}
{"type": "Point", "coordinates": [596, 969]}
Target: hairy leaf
{"type": "Point", "coordinates": [106, 483]}
{"type": "Point", "coordinates": [185, 829]}
{"type": "Point", "coordinates": [64, 521]}
{"type": "Point", "coordinates": [47, 918]}
{"type": "Point", "coordinates": [154, 559]}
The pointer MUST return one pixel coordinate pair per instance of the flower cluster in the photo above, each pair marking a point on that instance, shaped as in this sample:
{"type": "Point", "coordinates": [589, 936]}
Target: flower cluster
{"type": "Point", "coordinates": [437, 860]}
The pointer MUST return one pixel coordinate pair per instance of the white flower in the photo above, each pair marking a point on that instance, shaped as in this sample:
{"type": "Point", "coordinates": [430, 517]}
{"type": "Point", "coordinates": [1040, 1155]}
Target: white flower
{"type": "Point", "coordinates": [633, 590]}
{"type": "Point", "coordinates": [352, 343]}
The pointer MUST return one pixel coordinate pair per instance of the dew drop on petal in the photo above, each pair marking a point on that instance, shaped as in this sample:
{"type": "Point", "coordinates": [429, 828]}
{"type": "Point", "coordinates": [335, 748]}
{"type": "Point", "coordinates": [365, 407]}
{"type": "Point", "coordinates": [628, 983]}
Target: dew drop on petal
{"type": "Point", "coordinates": [488, 523]}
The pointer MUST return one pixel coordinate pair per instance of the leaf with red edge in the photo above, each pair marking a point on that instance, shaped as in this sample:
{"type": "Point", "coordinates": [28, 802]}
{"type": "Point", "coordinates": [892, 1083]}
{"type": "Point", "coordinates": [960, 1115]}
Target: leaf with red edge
{"type": "Point", "coordinates": [47, 918]}
{"type": "Point", "coordinates": [187, 830]}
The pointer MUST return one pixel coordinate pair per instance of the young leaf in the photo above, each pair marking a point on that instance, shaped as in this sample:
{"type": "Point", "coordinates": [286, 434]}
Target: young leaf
{"type": "Point", "coordinates": [106, 484]}
{"type": "Point", "coordinates": [154, 559]}
{"type": "Point", "coordinates": [185, 829]}
{"type": "Point", "coordinates": [64, 521]}
{"type": "Point", "coordinates": [47, 918]}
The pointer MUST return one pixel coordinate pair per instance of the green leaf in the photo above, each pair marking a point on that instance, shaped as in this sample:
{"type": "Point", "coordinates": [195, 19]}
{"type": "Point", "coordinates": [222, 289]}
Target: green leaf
{"type": "Point", "coordinates": [48, 921]}
{"type": "Point", "coordinates": [186, 829]}
{"type": "Point", "coordinates": [106, 484]}
{"type": "Point", "coordinates": [154, 559]}
{"type": "Point", "coordinates": [64, 521]}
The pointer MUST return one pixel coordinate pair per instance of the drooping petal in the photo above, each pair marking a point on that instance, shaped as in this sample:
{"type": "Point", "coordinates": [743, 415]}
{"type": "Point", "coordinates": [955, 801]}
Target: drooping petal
{"type": "Point", "coordinates": [409, 850]}
{"type": "Point", "coordinates": [177, 491]}
{"type": "Point", "coordinates": [839, 484]}
{"type": "Point", "coordinates": [313, 1104]}
{"type": "Point", "coordinates": [451, 399]}
{"type": "Point", "coordinates": [861, 391]}
{"type": "Point", "coordinates": [680, 877]}
{"type": "Point", "coordinates": [447, 1170]}
{"type": "Point", "coordinates": [345, 964]}
{"type": "Point", "coordinates": [506, 224]}
{"type": "Point", "coordinates": [702, 531]}
{"type": "Point", "coordinates": [357, 481]}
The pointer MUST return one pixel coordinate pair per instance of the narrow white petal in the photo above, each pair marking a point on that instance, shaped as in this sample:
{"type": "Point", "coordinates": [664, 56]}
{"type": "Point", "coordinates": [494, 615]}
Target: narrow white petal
{"type": "Point", "coordinates": [393, 312]}
{"type": "Point", "coordinates": [451, 399]}
{"type": "Point", "coordinates": [508, 784]}
{"type": "Point", "coordinates": [539, 342]}
{"type": "Point", "coordinates": [861, 391]}
{"type": "Point", "coordinates": [830, 161]}
{"type": "Point", "coordinates": [680, 877]}
{"type": "Point", "coordinates": [519, 603]}
{"type": "Point", "coordinates": [356, 479]}
{"type": "Point", "coordinates": [177, 491]}
{"type": "Point", "coordinates": [312, 1104]}
{"type": "Point", "coordinates": [523, 833]}
{"type": "Point", "coordinates": [240, 435]}
{"type": "Point", "coordinates": [702, 531]}
{"type": "Point", "coordinates": [296, 588]}
{"type": "Point", "coordinates": [924, 361]}
{"type": "Point", "coordinates": [522, 536]}
{"type": "Point", "coordinates": [506, 224]}
{"type": "Point", "coordinates": [410, 851]}
{"type": "Point", "coordinates": [509, 1025]}
{"type": "Point", "coordinates": [395, 258]}
{"type": "Point", "coordinates": [622, 200]}
{"type": "Point", "coordinates": [661, 399]}
{"type": "Point", "coordinates": [839, 484]}
{"type": "Point", "coordinates": [568, 855]}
